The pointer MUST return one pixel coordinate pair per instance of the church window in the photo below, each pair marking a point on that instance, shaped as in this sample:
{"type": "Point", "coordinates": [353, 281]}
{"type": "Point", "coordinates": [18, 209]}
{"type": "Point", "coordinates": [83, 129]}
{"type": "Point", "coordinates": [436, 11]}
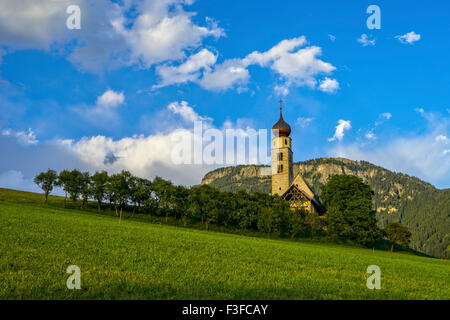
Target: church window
{"type": "Point", "coordinates": [285, 141]}
{"type": "Point", "coordinates": [280, 156]}
{"type": "Point", "coordinates": [280, 168]}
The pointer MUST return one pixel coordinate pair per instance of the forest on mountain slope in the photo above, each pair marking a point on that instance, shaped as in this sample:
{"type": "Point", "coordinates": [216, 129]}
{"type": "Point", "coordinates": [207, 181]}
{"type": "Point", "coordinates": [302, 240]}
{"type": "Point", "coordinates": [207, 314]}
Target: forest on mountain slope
{"type": "Point", "coordinates": [414, 203]}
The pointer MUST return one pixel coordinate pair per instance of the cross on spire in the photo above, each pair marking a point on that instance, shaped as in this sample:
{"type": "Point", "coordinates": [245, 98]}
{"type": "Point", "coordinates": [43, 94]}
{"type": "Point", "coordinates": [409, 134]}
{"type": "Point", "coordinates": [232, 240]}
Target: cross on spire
{"type": "Point", "coordinates": [281, 101]}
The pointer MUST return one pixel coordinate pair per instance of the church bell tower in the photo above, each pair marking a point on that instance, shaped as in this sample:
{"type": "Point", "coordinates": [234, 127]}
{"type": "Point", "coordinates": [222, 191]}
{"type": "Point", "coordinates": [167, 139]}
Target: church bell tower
{"type": "Point", "coordinates": [282, 174]}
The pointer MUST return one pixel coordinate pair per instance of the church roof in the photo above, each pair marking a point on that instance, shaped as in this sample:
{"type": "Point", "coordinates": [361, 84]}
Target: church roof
{"type": "Point", "coordinates": [295, 188]}
{"type": "Point", "coordinates": [301, 184]}
{"type": "Point", "coordinates": [281, 128]}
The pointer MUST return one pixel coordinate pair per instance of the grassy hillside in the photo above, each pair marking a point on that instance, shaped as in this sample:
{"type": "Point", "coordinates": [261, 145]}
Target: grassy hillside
{"type": "Point", "coordinates": [424, 209]}
{"type": "Point", "coordinates": [139, 260]}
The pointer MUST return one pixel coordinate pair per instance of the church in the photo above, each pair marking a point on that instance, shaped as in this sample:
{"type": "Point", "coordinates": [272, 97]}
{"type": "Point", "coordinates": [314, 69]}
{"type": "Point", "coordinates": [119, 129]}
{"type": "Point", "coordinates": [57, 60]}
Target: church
{"type": "Point", "coordinates": [293, 190]}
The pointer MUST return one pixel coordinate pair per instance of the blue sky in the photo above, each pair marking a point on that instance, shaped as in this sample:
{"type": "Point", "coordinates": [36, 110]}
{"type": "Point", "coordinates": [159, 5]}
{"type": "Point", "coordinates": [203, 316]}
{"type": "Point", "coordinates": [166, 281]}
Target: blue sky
{"type": "Point", "coordinates": [68, 97]}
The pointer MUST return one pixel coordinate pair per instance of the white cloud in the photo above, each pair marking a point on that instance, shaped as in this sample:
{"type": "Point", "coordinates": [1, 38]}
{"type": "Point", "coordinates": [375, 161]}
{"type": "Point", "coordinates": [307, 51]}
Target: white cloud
{"type": "Point", "coordinates": [112, 34]}
{"type": "Point", "coordinates": [299, 67]}
{"type": "Point", "coordinates": [295, 66]}
{"type": "Point", "coordinates": [443, 138]}
{"type": "Point", "coordinates": [364, 40]}
{"type": "Point", "coordinates": [332, 37]}
{"type": "Point", "coordinates": [187, 71]}
{"type": "Point", "coordinates": [105, 108]}
{"type": "Point", "coordinates": [386, 115]}
{"type": "Point", "coordinates": [186, 112]}
{"type": "Point", "coordinates": [370, 135]}
{"type": "Point", "coordinates": [329, 85]}
{"type": "Point", "coordinates": [303, 122]}
{"type": "Point", "coordinates": [275, 53]}
{"type": "Point", "coordinates": [225, 76]}
{"type": "Point", "coordinates": [24, 138]}
{"type": "Point", "coordinates": [281, 90]}
{"type": "Point", "coordinates": [409, 37]}
{"type": "Point", "coordinates": [111, 99]}
{"type": "Point", "coordinates": [148, 33]}
{"type": "Point", "coordinates": [418, 156]}
{"type": "Point", "coordinates": [147, 156]}
{"type": "Point", "coordinates": [426, 155]}
{"type": "Point", "coordinates": [163, 31]}
{"type": "Point", "coordinates": [340, 128]}
{"type": "Point", "coordinates": [32, 24]}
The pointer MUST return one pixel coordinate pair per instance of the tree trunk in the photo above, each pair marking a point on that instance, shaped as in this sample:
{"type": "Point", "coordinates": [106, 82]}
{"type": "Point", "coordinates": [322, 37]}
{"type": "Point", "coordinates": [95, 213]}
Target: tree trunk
{"type": "Point", "coordinates": [167, 216]}
{"type": "Point", "coordinates": [392, 247]}
{"type": "Point", "coordinates": [99, 206]}
{"type": "Point", "coordinates": [46, 198]}
{"type": "Point", "coordinates": [206, 224]}
{"type": "Point", "coordinates": [117, 213]}
{"type": "Point", "coordinates": [65, 199]}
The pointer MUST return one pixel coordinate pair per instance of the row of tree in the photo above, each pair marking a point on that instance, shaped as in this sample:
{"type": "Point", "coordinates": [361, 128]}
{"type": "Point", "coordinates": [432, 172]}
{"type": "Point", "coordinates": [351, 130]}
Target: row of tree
{"type": "Point", "coordinates": [347, 199]}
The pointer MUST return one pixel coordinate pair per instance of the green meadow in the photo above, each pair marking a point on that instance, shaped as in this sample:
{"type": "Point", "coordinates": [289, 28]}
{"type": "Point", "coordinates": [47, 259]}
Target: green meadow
{"type": "Point", "coordinates": [143, 260]}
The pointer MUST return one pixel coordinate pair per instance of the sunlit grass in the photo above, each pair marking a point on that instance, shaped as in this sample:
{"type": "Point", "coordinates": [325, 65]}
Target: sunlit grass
{"type": "Point", "coordinates": [140, 260]}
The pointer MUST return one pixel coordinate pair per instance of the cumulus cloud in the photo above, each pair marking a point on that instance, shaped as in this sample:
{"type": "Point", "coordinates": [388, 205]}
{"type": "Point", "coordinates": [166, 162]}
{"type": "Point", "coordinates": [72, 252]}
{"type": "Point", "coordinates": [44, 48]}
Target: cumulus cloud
{"type": "Point", "coordinates": [190, 70]}
{"type": "Point", "coordinates": [340, 128]}
{"type": "Point", "coordinates": [163, 31]}
{"type": "Point", "coordinates": [408, 38]}
{"type": "Point", "coordinates": [148, 33]}
{"type": "Point", "coordinates": [293, 64]}
{"type": "Point", "coordinates": [112, 34]}
{"type": "Point", "coordinates": [386, 115]}
{"type": "Point", "coordinates": [365, 41]}
{"type": "Point", "coordinates": [23, 137]}
{"type": "Point", "coordinates": [225, 76]}
{"type": "Point", "coordinates": [150, 155]}
{"type": "Point", "coordinates": [328, 85]}
{"type": "Point", "coordinates": [105, 108]}
{"type": "Point", "coordinates": [186, 112]}
{"type": "Point", "coordinates": [143, 155]}
{"type": "Point", "coordinates": [33, 24]}
{"type": "Point", "coordinates": [111, 99]}
{"type": "Point", "coordinates": [299, 66]}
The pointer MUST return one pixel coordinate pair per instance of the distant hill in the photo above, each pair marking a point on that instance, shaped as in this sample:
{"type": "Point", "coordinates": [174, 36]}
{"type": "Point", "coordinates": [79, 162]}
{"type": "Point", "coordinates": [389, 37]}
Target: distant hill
{"type": "Point", "coordinates": [417, 204]}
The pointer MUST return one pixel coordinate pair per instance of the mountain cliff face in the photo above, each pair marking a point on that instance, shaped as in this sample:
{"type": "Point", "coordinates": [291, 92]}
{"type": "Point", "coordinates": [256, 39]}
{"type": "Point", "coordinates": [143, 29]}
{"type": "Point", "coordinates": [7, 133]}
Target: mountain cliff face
{"type": "Point", "coordinates": [424, 209]}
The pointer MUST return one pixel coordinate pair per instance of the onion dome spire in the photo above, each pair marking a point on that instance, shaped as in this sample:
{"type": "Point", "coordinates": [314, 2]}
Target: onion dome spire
{"type": "Point", "coordinates": [281, 128]}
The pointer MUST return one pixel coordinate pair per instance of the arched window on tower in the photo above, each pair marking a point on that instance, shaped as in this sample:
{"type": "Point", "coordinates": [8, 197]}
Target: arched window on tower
{"type": "Point", "coordinates": [280, 156]}
{"type": "Point", "coordinates": [280, 168]}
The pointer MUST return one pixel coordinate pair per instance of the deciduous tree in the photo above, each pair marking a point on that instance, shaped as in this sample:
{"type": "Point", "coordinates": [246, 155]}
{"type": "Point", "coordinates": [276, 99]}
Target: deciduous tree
{"type": "Point", "coordinates": [397, 233]}
{"type": "Point", "coordinates": [46, 181]}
